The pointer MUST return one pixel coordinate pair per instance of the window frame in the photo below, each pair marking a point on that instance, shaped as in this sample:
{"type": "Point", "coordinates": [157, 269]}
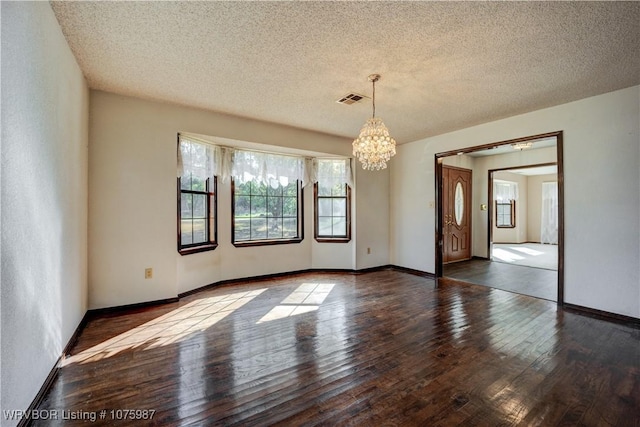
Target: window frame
{"type": "Point", "coordinates": [212, 199]}
{"type": "Point", "coordinates": [331, 239]}
{"type": "Point", "coordinates": [268, 242]}
{"type": "Point", "coordinates": [512, 204]}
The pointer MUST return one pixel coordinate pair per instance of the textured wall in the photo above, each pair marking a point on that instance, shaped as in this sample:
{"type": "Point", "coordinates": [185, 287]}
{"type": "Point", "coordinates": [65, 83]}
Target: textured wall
{"type": "Point", "coordinates": [44, 198]}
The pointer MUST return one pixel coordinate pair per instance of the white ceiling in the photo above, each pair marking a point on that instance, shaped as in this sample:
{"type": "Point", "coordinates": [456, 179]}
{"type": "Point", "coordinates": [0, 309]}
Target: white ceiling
{"type": "Point", "coordinates": [444, 65]}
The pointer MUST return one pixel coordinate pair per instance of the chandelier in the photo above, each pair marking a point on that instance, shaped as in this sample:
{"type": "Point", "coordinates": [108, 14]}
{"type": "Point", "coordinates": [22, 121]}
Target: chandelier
{"type": "Point", "coordinates": [522, 145]}
{"type": "Point", "coordinates": [374, 147]}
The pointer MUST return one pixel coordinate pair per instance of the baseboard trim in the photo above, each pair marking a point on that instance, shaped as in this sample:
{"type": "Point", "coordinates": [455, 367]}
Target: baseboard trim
{"type": "Point", "coordinates": [48, 382]}
{"type": "Point", "coordinates": [603, 315]}
{"type": "Point", "coordinates": [95, 312]}
{"type": "Point", "coordinates": [241, 279]}
{"type": "Point", "coordinates": [283, 274]}
{"type": "Point", "coordinates": [74, 338]}
{"type": "Point", "coordinates": [413, 271]}
{"type": "Point", "coordinates": [46, 387]}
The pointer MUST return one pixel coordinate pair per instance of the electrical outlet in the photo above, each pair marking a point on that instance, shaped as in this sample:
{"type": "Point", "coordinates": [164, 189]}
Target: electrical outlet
{"type": "Point", "coordinates": [368, 251]}
{"type": "Point", "coordinates": [148, 273]}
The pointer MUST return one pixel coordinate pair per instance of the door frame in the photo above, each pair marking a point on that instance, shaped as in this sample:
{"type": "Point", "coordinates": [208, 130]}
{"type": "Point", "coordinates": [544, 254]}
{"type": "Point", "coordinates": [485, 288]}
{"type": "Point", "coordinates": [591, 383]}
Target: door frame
{"type": "Point", "coordinates": [438, 162]}
{"type": "Point", "coordinates": [491, 208]}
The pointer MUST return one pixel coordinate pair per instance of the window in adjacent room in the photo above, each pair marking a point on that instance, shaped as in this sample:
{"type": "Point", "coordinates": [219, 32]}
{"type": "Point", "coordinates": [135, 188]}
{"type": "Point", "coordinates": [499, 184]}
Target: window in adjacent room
{"type": "Point", "coordinates": [332, 201]}
{"type": "Point", "coordinates": [197, 202]}
{"type": "Point", "coordinates": [506, 214]}
{"type": "Point", "coordinates": [506, 193]}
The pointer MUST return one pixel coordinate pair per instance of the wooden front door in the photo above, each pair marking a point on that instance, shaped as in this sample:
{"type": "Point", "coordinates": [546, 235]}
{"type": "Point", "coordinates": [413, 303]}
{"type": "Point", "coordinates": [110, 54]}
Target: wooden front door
{"type": "Point", "coordinates": [456, 208]}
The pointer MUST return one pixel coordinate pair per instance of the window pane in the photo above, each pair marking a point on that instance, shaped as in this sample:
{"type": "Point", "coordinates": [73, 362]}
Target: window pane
{"type": "Point", "coordinates": [259, 215]}
{"type": "Point", "coordinates": [242, 206]}
{"type": "Point", "coordinates": [274, 230]}
{"type": "Point", "coordinates": [199, 231]}
{"type": "Point", "coordinates": [324, 207]}
{"type": "Point", "coordinates": [242, 228]}
{"type": "Point", "coordinates": [242, 189]}
{"type": "Point", "coordinates": [339, 226]}
{"type": "Point", "coordinates": [291, 189]}
{"type": "Point", "coordinates": [333, 210]}
{"type": "Point", "coordinates": [323, 190]}
{"type": "Point", "coordinates": [339, 190]}
{"type": "Point", "coordinates": [185, 206]}
{"type": "Point", "coordinates": [324, 226]}
{"type": "Point", "coordinates": [199, 206]}
{"type": "Point", "coordinates": [274, 191]}
{"type": "Point", "coordinates": [185, 181]}
{"type": "Point", "coordinates": [290, 206]}
{"type": "Point", "coordinates": [339, 207]}
{"type": "Point", "coordinates": [274, 206]}
{"type": "Point", "coordinates": [258, 206]}
{"type": "Point", "coordinates": [198, 184]}
{"type": "Point", "coordinates": [290, 227]}
{"type": "Point", "coordinates": [185, 231]}
{"type": "Point", "coordinates": [197, 222]}
{"type": "Point", "coordinates": [258, 228]}
{"type": "Point", "coordinates": [258, 189]}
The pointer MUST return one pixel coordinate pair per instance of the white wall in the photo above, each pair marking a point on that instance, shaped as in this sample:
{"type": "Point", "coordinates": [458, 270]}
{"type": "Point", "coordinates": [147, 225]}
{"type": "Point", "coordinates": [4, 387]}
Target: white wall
{"type": "Point", "coordinates": [44, 199]}
{"type": "Point", "coordinates": [132, 204]}
{"type": "Point", "coordinates": [602, 191]}
{"type": "Point", "coordinates": [372, 217]}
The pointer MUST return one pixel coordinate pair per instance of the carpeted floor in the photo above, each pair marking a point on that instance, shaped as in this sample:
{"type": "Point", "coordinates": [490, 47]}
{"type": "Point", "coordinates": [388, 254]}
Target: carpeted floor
{"type": "Point", "coordinates": [527, 254]}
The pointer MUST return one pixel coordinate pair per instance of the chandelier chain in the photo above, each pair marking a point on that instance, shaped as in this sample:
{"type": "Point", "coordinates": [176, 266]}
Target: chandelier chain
{"type": "Point", "coordinates": [374, 98]}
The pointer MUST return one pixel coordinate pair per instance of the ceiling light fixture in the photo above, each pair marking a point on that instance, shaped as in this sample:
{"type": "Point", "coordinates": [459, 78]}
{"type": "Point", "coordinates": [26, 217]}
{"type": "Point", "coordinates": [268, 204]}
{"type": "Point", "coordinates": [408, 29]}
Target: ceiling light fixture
{"type": "Point", "coordinates": [522, 145]}
{"type": "Point", "coordinates": [374, 147]}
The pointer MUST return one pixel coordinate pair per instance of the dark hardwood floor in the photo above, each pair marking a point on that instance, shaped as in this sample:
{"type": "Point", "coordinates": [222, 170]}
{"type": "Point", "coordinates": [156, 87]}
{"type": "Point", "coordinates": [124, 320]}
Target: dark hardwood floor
{"type": "Point", "coordinates": [384, 348]}
{"type": "Point", "coordinates": [535, 282]}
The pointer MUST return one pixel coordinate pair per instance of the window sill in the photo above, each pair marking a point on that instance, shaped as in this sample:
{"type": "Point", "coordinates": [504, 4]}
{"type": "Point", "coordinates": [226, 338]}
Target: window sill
{"type": "Point", "coordinates": [197, 249]}
{"type": "Point", "coordinates": [333, 239]}
{"type": "Point", "coordinates": [244, 244]}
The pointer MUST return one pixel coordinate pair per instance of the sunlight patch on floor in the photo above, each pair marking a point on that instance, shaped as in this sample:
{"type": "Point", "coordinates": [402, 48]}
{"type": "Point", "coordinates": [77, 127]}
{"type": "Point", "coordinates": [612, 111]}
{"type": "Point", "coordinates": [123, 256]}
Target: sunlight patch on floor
{"type": "Point", "coordinates": [527, 251]}
{"type": "Point", "coordinates": [177, 325]}
{"type": "Point", "coordinates": [306, 298]}
{"type": "Point", "coordinates": [505, 256]}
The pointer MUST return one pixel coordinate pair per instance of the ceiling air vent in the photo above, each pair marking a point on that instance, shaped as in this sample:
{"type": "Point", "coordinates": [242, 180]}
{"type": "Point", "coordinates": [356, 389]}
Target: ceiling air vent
{"type": "Point", "coordinates": [349, 99]}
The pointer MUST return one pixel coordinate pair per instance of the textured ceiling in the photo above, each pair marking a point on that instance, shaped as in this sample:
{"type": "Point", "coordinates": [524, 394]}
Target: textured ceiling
{"type": "Point", "coordinates": [444, 65]}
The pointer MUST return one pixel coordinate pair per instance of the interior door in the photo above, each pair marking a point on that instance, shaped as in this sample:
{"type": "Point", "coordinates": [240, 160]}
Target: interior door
{"type": "Point", "coordinates": [456, 204]}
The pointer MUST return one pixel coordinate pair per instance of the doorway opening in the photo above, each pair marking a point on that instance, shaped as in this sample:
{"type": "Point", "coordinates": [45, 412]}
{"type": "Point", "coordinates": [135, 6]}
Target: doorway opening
{"type": "Point", "coordinates": [514, 208]}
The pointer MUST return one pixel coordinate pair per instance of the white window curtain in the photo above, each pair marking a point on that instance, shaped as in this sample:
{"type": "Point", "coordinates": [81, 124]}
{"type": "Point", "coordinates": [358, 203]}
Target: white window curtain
{"type": "Point", "coordinates": [196, 159]}
{"type": "Point", "coordinates": [504, 191]}
{"type": "Point", "coordinates": [272, 169]}
{"type": "Point", "coordinates": [205, 160]}
{"type": "Point", "coordinates": [549, 220]}
{"type": "Point", "coordinates": [334, 171]}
